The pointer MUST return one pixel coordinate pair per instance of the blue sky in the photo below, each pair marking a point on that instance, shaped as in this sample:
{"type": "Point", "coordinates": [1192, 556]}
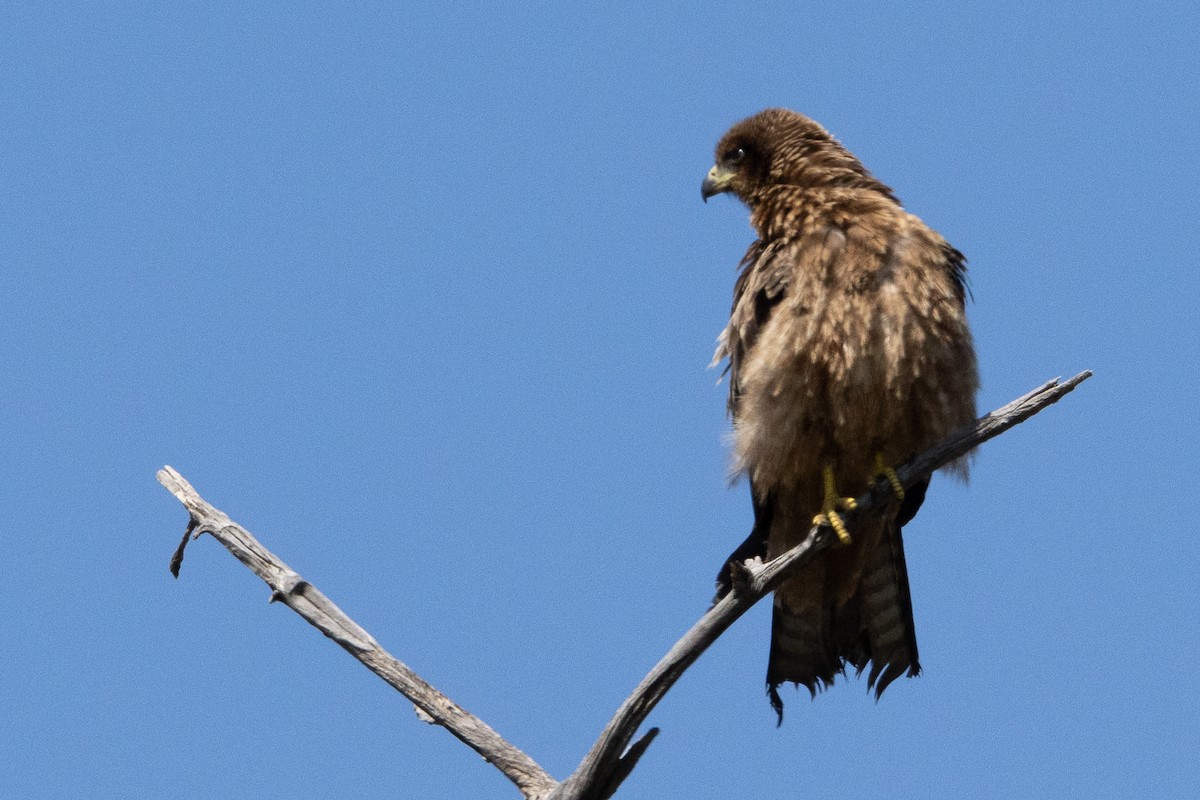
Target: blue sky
{"type": "Point", "coordinates": [425, 299]}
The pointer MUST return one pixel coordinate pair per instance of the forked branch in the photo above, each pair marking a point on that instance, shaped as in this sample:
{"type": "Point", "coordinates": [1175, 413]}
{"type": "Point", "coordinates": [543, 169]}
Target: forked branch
{"type": "Point", "coordinates": [611, 758]}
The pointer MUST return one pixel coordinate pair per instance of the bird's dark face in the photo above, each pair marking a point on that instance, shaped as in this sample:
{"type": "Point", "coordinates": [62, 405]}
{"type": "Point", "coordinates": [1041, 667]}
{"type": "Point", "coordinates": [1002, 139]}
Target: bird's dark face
{"type": "Point", "coordinates": [773, 147]}
{"type": "Point", "coordinates": [739, 165]}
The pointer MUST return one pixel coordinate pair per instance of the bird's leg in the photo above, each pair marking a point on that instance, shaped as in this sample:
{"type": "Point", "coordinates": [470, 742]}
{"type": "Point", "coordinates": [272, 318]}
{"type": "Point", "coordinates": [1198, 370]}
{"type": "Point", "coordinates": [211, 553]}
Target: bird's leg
{"type": "Point", "coordinates": [831, 505]}
{"type": "Point", "coordinates": [882, 470]}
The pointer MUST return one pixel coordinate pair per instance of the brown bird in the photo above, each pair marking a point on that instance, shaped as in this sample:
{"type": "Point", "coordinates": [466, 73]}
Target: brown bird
{"type": "Point", "coordinates": [848, 352]}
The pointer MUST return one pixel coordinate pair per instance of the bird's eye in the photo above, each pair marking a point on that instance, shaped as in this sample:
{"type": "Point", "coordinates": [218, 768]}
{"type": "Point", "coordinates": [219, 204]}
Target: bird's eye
{"type": "Point", "coordinates": [735, 156]}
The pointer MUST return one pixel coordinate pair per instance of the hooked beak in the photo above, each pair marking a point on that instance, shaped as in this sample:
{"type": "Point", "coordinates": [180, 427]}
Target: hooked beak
{"type": "Point", "coordinates": [717, 181]}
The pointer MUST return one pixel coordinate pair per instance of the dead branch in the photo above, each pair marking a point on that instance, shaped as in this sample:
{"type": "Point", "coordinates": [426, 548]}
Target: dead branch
{"type": "Point", "coordinates": [612, 758]}
{"type": "Point", "coordinates": [320, 612]}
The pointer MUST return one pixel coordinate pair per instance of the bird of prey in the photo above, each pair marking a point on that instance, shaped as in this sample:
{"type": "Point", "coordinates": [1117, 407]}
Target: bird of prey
{"type": "Point", "coordinates": [848, 352]}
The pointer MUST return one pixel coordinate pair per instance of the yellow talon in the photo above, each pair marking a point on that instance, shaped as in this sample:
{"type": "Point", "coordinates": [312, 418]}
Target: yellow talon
{"type": "Point", "coordinates": [883, 470]}
{"type": "Point", "coordinates": [833, 520]}
{"type": "Point", "coordinates": [831, 505]}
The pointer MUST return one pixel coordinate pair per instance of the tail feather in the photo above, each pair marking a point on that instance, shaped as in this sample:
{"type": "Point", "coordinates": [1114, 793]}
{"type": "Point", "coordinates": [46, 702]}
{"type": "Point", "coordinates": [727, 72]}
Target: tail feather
{"type": "Point", "coordinates": [886, 611]}
{"type": "Point", "coordinates": [802, 651]}
{"type": "Point", "coordinates": [811, 644]}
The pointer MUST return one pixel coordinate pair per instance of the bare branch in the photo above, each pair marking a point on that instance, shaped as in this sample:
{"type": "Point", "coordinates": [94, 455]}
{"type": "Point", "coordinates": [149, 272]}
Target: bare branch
{"type": "Point", "coordinates": [611, 758]}
{"type": "Point", "coordinates": [601, 771]}
{"type": "Point", "coordinates": [320, 612]}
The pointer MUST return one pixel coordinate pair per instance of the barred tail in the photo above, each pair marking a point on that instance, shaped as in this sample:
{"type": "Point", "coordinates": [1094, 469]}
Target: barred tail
{"type": "Point", "coordinates": [885, 611]}
{"type": "Point", "coordinates": [802, 650]}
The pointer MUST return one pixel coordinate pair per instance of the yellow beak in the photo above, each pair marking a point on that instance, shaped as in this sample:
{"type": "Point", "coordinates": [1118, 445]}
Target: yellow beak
{"type": "Point", "coordinates": [717, 181]}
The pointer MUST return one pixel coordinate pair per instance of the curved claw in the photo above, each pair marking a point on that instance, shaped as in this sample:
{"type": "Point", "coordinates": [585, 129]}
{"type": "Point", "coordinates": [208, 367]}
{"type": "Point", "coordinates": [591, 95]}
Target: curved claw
{"type": "Point", "coordinates": [831, 505]}
{"type": "Point", "coordinates": [887, 473]}
{"type": "Point", "coordinates": [834, 520]}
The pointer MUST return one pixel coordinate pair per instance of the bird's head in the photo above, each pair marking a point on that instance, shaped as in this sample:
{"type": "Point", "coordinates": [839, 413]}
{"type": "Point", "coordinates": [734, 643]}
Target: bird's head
{"type": "Point", "coordinates": [778, 147]}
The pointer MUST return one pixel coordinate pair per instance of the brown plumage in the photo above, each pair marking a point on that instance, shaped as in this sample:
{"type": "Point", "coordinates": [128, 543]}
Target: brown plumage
{"type": "Point", "coordinates": [848, 339]}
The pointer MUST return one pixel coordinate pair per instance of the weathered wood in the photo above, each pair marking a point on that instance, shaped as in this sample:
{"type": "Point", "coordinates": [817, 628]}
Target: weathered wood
{"type": "Point", "coordinates": [319, 611]}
